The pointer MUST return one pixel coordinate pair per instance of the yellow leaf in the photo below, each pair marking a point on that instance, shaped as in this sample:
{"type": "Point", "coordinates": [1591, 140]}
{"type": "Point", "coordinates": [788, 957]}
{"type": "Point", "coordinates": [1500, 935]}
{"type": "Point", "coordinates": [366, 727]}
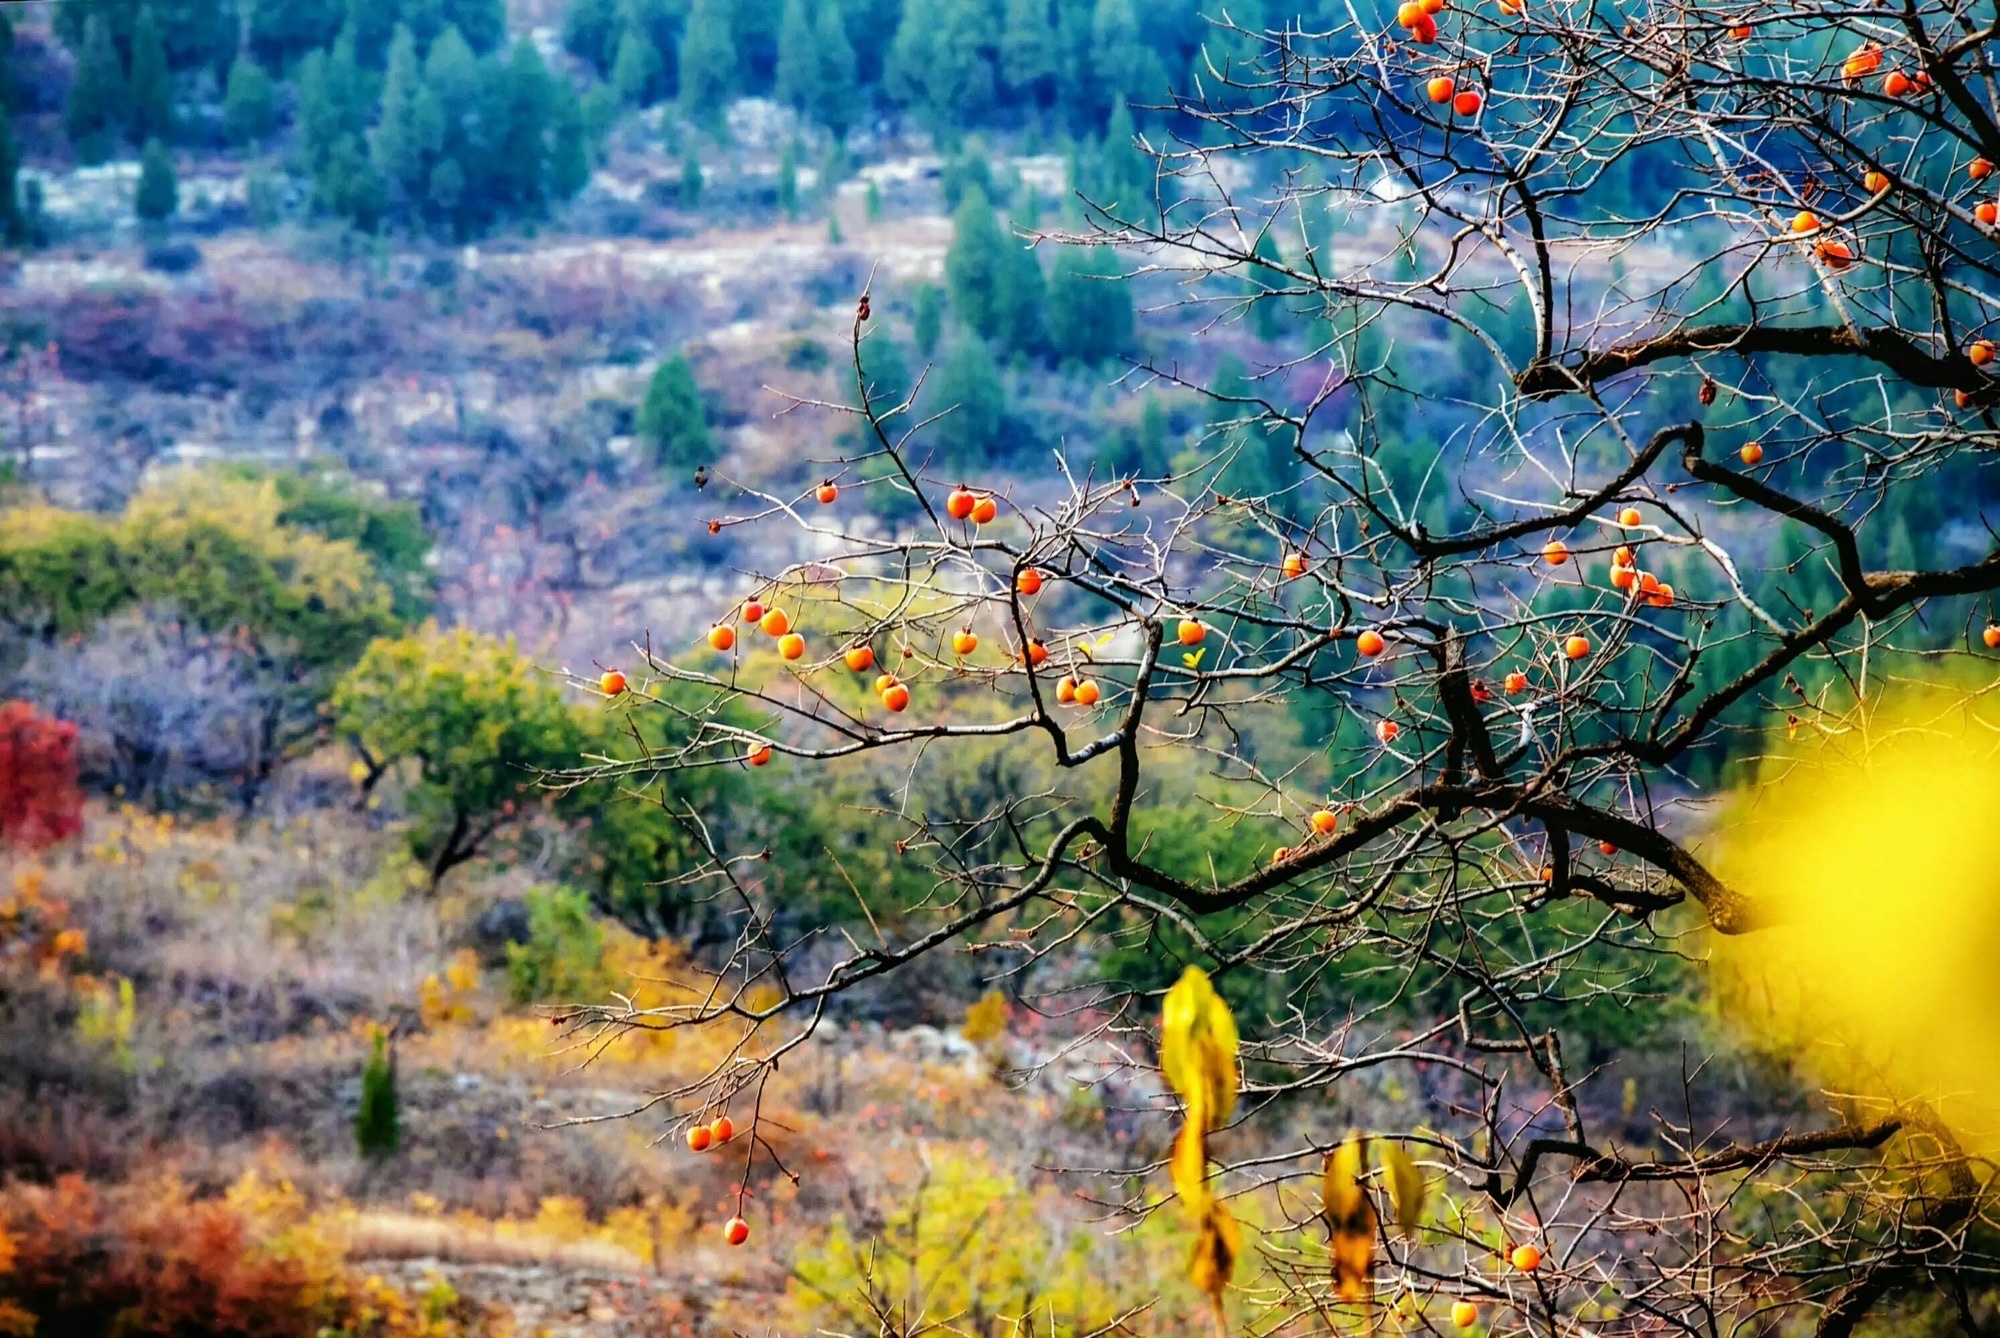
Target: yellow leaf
{"type": "Point", "coordinates": [1188, 1165]}
{"type": "Point", "coordinates": [1192, 659]}
{"type": "Point", "coordinates": [1352, 1219]}
{"type": "Point", "coordinates": [1217, 1244]}
{"type": "Point", "coordinates": [1198, 1045]}
{"type": "Point", "coordinates": [1407, 1189]}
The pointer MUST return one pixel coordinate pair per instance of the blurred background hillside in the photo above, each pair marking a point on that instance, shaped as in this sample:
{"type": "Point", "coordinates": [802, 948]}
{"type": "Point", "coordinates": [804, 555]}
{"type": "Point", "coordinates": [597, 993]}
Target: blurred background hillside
{"type": "Point", "coordinates": [364, 361]}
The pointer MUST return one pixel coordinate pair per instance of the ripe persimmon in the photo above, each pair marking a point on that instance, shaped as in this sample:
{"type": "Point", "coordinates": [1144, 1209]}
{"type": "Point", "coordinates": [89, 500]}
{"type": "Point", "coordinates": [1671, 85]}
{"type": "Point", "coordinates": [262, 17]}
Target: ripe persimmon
{"type": "Point", "coordinates": [1980, 351]}
{"type": "Point", "coordinates": [723, 1129]}
{"type": "Point", "coordinates": [760, 756]}
{"type": "Point", "coordinates": [1752, 453]}
{"type": "Point", "coordinates": [1516, 682]}
{"type": "Point", "coordinates": [721, 636]}
{"type": "Point", "coordinates": [1325, 821]}
{"type": "Point", "coordinates": [1408, 13]}
{"type": "Point", "coordinates": [1191, 632]}
{"type": "Point", "coordinates": [1979, 169]}
{"type": "Point", "coordinates": [827, 493]}
{"type": "Point", "coordinates": [1991, 636]}
{"type": "Point", "coordinates": [984, 510]}
{"type": "Point", "coordinates": [1294, 566]}
{"type": "Point", "coordinates": [964, 642]}
{"type": "Point", "coordinates": [1527, 1258]}
{"type": "Point", "coordinates": [1441, 88]}
{"type": "Point", "coordinates": [1370, 644]}
{"type": "Point", "coordinates": [1835, 255]}
{"type": "Point", "coordinates": [958, 503]}
{"type": "Point", "coordinates": [753, 611]}
{"type": "Point", "coordinates": [860, 658]}
{"type": "Point", "coordinates": [1480, 692]}
{"type": "Point", "coordinates": [1606, 848]}
{"type": "Point", "coordinates": [1087, 692]}
{"type": "Point", "coordinates": [1066, 690]}
{"type": "Point", "coordinates": [1741, 32]}
{"type": "Point", "coordinates": [1630, 518]}
{"type": "Point", "coordinates": [699, 1138]}
{"type": "Point", "coordinates": [1037, 653]}
{"type": "Point", "coordinates": [1386, 731]}
{"type": "Point", "coordinates": [1469, 102]}
{"type": "Point", "coordinates": [775, 622]}
{"type": "Point", "coordinates": [896, 697]}
{"type": "Point", "coordinates": [1464, 1314]}
{"type": "Point", "coordinates": [736, 1231]}
{"type": "Point", "coordinates": [1577, 647]}
{"type": "Point", "coordinates": [1623, 576]}
{"type": "Point", "coordinates": [612, 683]}
{"type": "Point", "coordinates": [1555, 552]}
{"type": "Point", "coordinates": [1029, 582]}
{"type": "Point", "coordinates": [791, 645]}
{"type": "Point", "coordinates": [1662, 598]}
{"type": "Point", "coordinates": [1623, 556]}
{"type": "Point", "coordinates": [1896, 84]}
{"type": "Point", "coordinates": [1805, 221]}
{"type": "Point", "coordinates": [1986, 212]}
{"type": "Point", "coordinates": [1875, 183]}
{"type": "Point", "coordinates": [1862, 63]}
{"type": "Point", "coordinates": [1424, 31]}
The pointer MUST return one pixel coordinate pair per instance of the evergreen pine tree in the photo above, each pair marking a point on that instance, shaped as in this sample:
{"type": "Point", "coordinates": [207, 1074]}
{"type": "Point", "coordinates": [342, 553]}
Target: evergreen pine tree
{"type": "Point", "coordinates": [886, 368]}
{"type": "Point", "coordinates": [753, 25]}
{"type": "Point", "coordinates": [969, 383]}
{"type": "Point", "coordinates": [569, 144]}
{"type": "Point", "coordinates": [637, 71]}
{"type": "Point", "coordinates": [98, 108]}
{"type": "Point", "coordinates": [409, 131]}
{"type": "Point", "coordinates": [927, 319]}
{"type": "Point", "coordinates": [378, 1123]}
{"type": "Point", "coordinates": [482, 23]}
{"type": "Point", "coordinates": [521, 177]}
{"type": "Point", "coordinates": [250, 104]}
{"type": "Point", "coordinates": [158, 195]}
{"type": "Point", "coordinates": [591, 32]}
{"type": "Point", "coordinates": [6, 63]}
{"type": "Point", "coordinates": [1089, 305]}
{"type": "Point", "coordinates": [788, 181]}
{"type": "Point", "coordinates": [942, 59]}
{"type": "Point", "coordinates": [1018, 298]}
{"type": "Point", "coordinates": [350, 186]}
{"type": "Point", "coordinates": [837, 93]}
{"type": "Point", "coordinates": [673, 420]}
{"type": "Point", "coordinates": [973, 265]}
{"type": "Point", "coordinates": [798, 62]}
{"type": "Point", "coordinates": [1125, 178]}
{"type": "Point", "coordinates": [150, 87]}
{"type": "Point", "coordinates": [1028, 54]}
{"type": "Point", "coordinates": [13, 225]}
{"type": "Point", "coordinates": [1076, 95]}
{"type": "Point", "coordinates": [707, 61]}
{"type": "Point", "coordinates": [1124, 68]}
{"type": "Point", "coordinates": [374, 24]}
{"type": "Point", "coordinates": [691, 179]}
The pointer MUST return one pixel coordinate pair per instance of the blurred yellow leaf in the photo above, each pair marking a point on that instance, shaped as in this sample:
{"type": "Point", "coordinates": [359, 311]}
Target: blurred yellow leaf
{"type": "Point", "coordinates": [1198, 1046]}
{"type": "Point", "coordinates": [1192, 659]}
{"type": "Point", "coordinates": [1407, 1189]}
{"type": "Point", "coordinates": [1352, 1219]}
{"type": "Point", "coordinates": [1217, 1244]}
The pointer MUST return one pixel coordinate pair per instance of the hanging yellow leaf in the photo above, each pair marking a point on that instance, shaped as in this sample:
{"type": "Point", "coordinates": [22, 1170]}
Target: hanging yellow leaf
{"type": "Point", "coordinates": [1351, 1216]}
{"type": "Point", "coordinates": [1407, 1189]}
{"type": "Point", "coordinates": [1192, 659]}
{"type": "Point", "coordinates": [1217, 1244]}
{"type": "Point", "coordinates": [1188, 1166]}
{"type": "Point", "coordinates": [1198, 1046]}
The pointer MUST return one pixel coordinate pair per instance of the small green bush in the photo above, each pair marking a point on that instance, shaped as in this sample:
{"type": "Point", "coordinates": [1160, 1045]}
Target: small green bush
{"type": "Point", "coordinates": [377, 1126]}
{"type": "Point", "coordinates": [564, 955]}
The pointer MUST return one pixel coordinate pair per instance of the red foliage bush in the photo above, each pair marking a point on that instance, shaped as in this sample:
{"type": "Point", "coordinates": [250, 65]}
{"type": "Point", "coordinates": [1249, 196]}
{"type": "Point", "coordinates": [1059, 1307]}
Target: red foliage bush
{"type": "Point", "coordinates": [40, 802]}
{"type": "Point", "coordinates": [90, 1262]}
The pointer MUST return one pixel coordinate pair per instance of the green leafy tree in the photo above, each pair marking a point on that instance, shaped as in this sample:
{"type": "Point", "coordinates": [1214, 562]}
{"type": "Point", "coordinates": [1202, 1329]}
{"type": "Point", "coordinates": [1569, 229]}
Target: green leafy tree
{"type": "Point", "coordinates": [1089, 306]}
{"type": "Point", "coordinates": [798, 63]}
{"type": "Point", "coordinates": [378, 1123]}
{"type": "Point", "coordinates": [520, 180]}
{"type": "Point", "coordinates": [250, 104]}
{"type": "Point", "coordinates": [1123, 182]}
{"type": "Point", "coordinates": [150, 85]}
{"type": "Point", "coordinates": [98, 105]}
{"type": "Point", "coordinates": [969, 383]}
{"type": "Point", "coordinates": [564, 955]}
{"type": "Point", "coordinates": [482, 23]}
{"type": "Point", "coordinates": [157, 197]}
{"type": "Point", "coordinates": [591, 32]}
{"type": "Point", "coordinates": [197, 32]}
{"type": "Point", "coordinates": [707, 61]}
{"type": "Point", "coordinates": [476, 720]}
{"type": "Point", "coordinates": [1019, 298]}
{"type": "Point", "coordinates": [673, 421]}
{"type": "Point", "coordinates": [1125, 69]}
{"type": "Point", "coordinates": [60, 573]}
{"type": "Point", "coordinates": [974, 264]}
{"type": "Point", "coordinates": [373, 24]}
{"type": "Point", "coordinates": [390, 534]}
{"type": "Point", "coordinates": [569, 144]}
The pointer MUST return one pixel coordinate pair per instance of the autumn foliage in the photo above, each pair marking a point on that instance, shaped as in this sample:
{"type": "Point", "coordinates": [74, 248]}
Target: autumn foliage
{"type": "Point", "coordinates": [40, 803]}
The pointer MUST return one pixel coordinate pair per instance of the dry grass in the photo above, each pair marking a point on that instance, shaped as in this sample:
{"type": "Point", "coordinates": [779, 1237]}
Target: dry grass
{"type": "Point", "coordinates": [375, 1236]}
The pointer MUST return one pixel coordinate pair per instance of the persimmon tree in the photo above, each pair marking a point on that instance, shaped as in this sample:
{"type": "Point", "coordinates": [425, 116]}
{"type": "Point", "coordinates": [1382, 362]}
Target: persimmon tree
{"type": "Point", "coordinates": [1637, 406]}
